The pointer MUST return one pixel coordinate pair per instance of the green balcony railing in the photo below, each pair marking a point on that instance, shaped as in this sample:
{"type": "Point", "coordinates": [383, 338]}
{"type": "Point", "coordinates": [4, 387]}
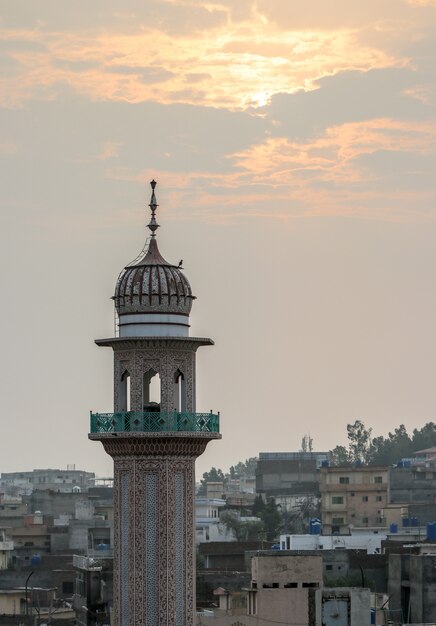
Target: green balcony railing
{"type": "Point", "coordinates": [142, 422]}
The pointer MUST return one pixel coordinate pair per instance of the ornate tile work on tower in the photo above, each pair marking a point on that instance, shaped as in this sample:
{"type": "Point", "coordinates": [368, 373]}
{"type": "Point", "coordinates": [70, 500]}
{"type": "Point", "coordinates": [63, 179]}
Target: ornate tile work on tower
{"type": "Point", "coordinates": [166, 363]}
{"type": "Point", "coordinates": [180, 549]}
{"type": "Point", "coordinates": [124, 549]}
{"type": "Point", "coordinates": [151, 554]}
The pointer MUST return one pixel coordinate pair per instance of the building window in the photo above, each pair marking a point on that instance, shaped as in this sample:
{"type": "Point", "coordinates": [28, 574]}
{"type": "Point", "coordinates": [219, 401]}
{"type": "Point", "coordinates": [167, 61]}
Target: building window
{"type": "Point", "coordinates": [290, 585]}
{"type": "Point", "coordinates": [378, 498]}
{"type": "Point", "coordinates": [344, 480]}
{"type": "Point", "coordinates": [337, 500]}
{"type": "Point", "coordinates": [329, 568]}
{"type": "Point", "coordinates": [337, 521]}
{"type": "Point", "coordinates": [312, 585]}
{"type": "Point", "coordinates": [67, 586]}
{"type": "Point", "coordinates": [364, 498]}
{"type": "Point", "coordinates": [378, 479]}
{"type": "Point", "coordinates": [364, 520]}
{"type": "Point", "coordinates": [179, 392]}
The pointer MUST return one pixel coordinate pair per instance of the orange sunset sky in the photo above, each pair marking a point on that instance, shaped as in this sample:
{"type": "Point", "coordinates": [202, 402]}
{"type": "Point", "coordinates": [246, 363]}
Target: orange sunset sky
{"type": "Point", "coordinates": [294, 145]}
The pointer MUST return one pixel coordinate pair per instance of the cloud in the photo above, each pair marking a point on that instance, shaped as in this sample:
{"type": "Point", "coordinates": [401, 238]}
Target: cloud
{"type": "Point", "coordinates": [348, 97]}
{"type": "Point", "coordinates": [235, 65]}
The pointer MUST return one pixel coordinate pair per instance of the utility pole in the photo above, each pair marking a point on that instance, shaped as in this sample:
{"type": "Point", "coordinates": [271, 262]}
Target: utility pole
{"type": "Point", "coordinates": [27, 599]}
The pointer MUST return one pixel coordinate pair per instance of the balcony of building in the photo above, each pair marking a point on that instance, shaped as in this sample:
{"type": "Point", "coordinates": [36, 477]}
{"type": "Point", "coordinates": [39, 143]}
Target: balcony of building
{"type": "Point", "coordinates": [148, 422]}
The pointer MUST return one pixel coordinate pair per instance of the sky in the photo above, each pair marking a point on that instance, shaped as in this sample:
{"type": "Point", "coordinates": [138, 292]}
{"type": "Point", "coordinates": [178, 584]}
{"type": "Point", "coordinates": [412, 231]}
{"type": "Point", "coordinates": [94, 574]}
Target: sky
{"type": "Point", "coordinates": [294, 146]}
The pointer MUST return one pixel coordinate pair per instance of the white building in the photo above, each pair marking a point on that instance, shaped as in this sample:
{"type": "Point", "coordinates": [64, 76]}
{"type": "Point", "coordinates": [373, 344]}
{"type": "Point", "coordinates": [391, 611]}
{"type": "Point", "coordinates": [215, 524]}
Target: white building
{"type": "Point", "coordinates": [363, 540]}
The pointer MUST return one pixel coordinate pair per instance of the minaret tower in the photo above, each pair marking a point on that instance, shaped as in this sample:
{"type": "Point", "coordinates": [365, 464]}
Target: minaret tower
{"type": "Point", "coordinates": [154, 441]}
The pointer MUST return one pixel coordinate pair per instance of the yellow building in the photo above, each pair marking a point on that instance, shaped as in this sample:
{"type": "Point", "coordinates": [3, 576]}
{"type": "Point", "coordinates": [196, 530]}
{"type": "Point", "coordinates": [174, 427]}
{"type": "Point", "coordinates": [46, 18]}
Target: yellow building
{"type": "Point", "coordinates": [352, 496]}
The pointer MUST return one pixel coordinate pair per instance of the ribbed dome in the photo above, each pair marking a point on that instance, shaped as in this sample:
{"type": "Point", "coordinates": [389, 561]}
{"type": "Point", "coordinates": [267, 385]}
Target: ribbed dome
{"type": "Point", "coordinates": [153, 297]}
{"type": "Point", "coordinates": [152, 285]}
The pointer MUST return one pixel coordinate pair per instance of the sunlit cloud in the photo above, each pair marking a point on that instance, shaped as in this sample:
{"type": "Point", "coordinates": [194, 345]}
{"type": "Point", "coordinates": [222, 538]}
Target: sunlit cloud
{"type": "Point", "coordinates": [327, 176]}
{"type": "Point", "coordinates": [237, 66]}
{"type": "Point", "coordinates": [331, 157]}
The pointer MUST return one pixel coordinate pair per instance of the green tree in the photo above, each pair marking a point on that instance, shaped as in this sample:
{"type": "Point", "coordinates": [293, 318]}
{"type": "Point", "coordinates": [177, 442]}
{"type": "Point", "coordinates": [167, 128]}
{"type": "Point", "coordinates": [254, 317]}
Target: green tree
{"type": "Point", "coordinates": [243, 530]}
{"type": "Point", "coordinates": [359, 444]}
{"type": "Point", "coordinates": [258, 506]}
{"type": "Point", "coordinates": [271, 518]}
{"type": "Point", "coordinates": [339, 456]}
{"type": "Point", "coordinates": [214, 475]}
{"type": "Point", "coordinates": [425, 437]}
{"type": "Point", "coordinates": [390, 449]}
{"type": "Point", "coordinates": [359, 441]}
{"type": "Point", "coordinates": [245, 469]}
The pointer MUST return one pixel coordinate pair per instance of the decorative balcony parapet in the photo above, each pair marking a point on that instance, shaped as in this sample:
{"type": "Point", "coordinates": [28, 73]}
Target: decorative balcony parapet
{"type": "Point", "coordinates": [143, 422]}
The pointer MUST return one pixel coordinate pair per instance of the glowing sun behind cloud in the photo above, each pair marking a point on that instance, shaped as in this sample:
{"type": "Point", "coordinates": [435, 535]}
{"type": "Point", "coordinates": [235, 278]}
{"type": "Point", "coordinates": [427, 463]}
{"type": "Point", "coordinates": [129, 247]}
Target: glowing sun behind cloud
{"type": "Point", "coordinates": [235, 66]}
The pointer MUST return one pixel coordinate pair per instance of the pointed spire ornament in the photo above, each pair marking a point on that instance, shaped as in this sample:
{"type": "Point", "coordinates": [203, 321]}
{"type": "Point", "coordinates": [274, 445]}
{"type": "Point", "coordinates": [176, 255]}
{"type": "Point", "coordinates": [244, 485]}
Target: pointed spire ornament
{"type": "Point", "coordinates": [153, 225]}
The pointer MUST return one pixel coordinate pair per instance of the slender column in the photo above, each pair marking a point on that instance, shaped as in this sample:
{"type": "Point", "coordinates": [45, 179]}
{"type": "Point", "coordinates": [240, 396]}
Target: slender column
{"type": "Point", "coordinates": [154, 562]}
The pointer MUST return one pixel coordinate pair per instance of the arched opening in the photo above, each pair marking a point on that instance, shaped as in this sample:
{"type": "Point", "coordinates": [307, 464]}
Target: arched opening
{"type": "Point", "coordinates": [124, 392]}
{"type": "Point", "coordinates": [151, 392]}
{"type": "Point", "coordinates": [179, 392]}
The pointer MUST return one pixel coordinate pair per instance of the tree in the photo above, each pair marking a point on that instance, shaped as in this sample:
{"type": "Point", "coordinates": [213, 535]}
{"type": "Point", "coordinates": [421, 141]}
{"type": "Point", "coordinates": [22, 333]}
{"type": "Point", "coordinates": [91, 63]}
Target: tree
{"type": "Point", "coordinates": [271, 518]}
{"type": "Point", "coordinates": [382, 450]}
{"type": "Point", "coordinates": [339, 456]}
{"type": "Point", "coordinates": [359, 444]}
{"type": "Point", "coordinates": [390, 449]}
{"type": "Point", "coordinates": [258, 506]}
{"type": "Point", "coordinates": [424, 438]}
{"type": "Point", "coordinates": [212, 476]}
{"type": "Point", "coordinates": [296, 521]}
{"type": "Point", "coordinates": [359, 441]}
{"type": "Point", "coordinates": [242, 530]}
{"type": "Point", "coordinates": [245, 469]}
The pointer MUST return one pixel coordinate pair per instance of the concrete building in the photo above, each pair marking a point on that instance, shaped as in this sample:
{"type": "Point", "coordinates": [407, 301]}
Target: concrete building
{"type": "Point", "coordinates": [288, 589]}
{"type": "Point", "coordinates": [93, 594]}
{"type": "Point", "coordinates": [154, 436]}
{"type": "Point", "coordinates": [414, 484]}
{"type": "Point", "coordinates": [412, 587]}
{"type": "Point", "coordinates": [288, 476]}
{"type": "Point", "coordinates": [352, 496]}
{"type": "Point", "coordinates": [68, 480]}
{"type": "Point", "coordinates": [280, 587]}
{"type": "Point", "coordinates": [207, 520]}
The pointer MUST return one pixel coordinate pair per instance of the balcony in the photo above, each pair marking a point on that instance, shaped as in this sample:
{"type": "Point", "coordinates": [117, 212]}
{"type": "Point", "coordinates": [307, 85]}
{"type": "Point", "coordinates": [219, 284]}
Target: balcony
{"type": "Point", "coordinates": [152, 422]}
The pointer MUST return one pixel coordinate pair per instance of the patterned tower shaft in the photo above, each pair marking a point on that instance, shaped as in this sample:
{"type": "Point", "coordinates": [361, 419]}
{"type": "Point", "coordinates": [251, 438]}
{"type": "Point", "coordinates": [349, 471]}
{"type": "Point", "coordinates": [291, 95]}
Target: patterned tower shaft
{"type": "Point", "coordinates": [154, 569]}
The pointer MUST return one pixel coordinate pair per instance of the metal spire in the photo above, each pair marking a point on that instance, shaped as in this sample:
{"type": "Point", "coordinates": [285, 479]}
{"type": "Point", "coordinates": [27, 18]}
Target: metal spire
{"type": "Point", "coordinates": [153, 225]}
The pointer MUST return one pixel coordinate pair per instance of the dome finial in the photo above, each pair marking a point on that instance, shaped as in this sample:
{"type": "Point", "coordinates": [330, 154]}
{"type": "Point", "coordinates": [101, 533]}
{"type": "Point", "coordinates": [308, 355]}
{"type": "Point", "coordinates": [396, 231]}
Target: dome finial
{"type": "Point", "coordinates": [153, 225]}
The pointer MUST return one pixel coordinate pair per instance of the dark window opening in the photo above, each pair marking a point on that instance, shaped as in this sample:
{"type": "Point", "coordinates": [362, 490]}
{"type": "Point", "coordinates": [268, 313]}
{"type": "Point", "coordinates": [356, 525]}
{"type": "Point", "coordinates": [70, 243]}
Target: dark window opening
{"type": "Point", "coordinates": [290, 585]}
{"type": "Point", "coordinates": [311, 585]}
{"type": "Point", "coordinates": [67, 586]}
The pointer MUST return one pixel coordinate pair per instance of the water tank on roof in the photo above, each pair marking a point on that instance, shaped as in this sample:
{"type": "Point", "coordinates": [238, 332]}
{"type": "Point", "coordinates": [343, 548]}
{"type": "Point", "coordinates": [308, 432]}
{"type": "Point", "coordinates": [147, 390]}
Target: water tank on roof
{"type": "Point", "coordinates": [35, 560]}
{"type": "Point", "coordinates": [102, 546]}
{"type": "Point", "coordinates": [393, 528]}
{"type": "Point", "coordinates": [405, 522]}
{"type": "Point", "coordinates": [314, 526]}
{"type": "Point", "coordinates": [431, 531]}
{"type": "Point", "coordinates": [414, 521]}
